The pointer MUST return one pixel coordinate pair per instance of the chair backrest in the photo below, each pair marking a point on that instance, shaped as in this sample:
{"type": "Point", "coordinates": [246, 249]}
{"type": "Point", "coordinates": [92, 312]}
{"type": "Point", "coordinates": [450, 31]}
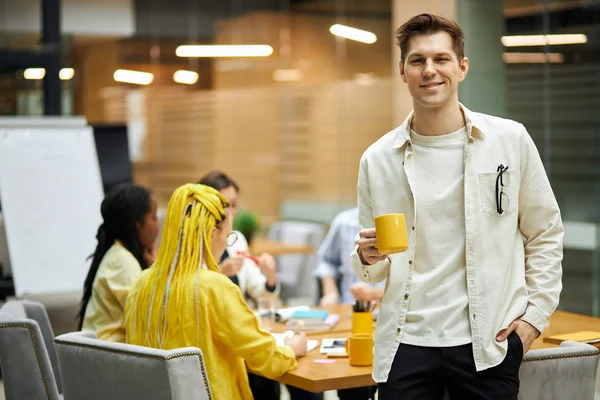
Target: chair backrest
{"type": "Point", "coordinates": [5, 267]}
{"type": "Point", "coordinates": [565, 372]}
{"type": "Point", "coordinates": [95, 369]}
{"type": "Point", "coordinates": [295, 270]}
{"type": "Point", "coordinates": [26, 367]}
{"type": "Point", "coordinates": [36, 311]}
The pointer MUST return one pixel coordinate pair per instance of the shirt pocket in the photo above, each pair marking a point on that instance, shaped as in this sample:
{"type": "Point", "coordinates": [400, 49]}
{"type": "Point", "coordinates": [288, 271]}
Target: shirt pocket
{"type": "Point", "coordinates": [487, 186]}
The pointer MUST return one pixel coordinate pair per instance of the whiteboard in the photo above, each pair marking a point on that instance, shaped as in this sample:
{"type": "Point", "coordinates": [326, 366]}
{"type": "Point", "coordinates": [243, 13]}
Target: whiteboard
{"type": "Point", "coordinates": [43, 122]}
{"type": "Point", "coordinates": [51, 191]}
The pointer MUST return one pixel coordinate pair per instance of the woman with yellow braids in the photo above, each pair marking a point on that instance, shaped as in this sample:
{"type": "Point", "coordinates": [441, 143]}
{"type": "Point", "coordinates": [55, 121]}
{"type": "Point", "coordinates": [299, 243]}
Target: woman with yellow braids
{"type": "Point", "coordinates": [183, 299]}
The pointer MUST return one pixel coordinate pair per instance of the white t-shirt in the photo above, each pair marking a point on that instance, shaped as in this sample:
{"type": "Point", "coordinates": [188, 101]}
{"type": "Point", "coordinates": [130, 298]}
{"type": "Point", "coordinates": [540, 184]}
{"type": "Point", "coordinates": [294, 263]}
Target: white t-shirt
{"type": "Point", "coordinates": [438, 306]}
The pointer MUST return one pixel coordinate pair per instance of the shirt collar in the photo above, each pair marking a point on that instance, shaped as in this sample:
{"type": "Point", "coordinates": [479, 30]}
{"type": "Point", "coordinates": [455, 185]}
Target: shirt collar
{"type": "Point", "coordinates": [474, 127]}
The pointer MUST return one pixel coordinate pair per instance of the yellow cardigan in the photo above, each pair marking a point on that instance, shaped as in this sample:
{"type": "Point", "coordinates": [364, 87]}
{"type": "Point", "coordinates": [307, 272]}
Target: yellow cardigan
{"type": "Point", "coordinates": [117, 272]}
{"type": "Point", "coordinates": [229, 334]}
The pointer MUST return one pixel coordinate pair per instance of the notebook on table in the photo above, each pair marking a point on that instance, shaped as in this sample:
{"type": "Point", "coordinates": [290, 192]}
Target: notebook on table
{"type": "Point", "coordinates": [313, 325]}
{"type": "Point", "coordinates": [318, 315]}
{"type": "Point", "coordinates": [590, 337]}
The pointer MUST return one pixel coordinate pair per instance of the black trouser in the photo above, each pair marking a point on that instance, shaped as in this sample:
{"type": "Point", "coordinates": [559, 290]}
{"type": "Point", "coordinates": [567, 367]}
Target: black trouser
{"type": "Point", "coordinates": [263, 388]}
{"type": "Point", "coordinates": [425, 373]}
{"type": "Point", "coordinates": [361, 393]}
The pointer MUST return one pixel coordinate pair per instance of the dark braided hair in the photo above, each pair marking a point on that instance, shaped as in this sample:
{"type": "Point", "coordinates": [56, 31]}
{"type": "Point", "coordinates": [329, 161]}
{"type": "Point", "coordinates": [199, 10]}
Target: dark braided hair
{"type": "Point", "coordinates": [122, 208]}
{"type": "Point", "coordinates": [218, 180]}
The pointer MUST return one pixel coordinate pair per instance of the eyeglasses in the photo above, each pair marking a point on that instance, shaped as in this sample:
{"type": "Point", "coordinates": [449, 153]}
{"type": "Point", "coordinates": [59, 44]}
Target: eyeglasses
{"type": "Point", "coordinates": [232, 238]}
{"type": "Point", "coordinates": [502, 181]}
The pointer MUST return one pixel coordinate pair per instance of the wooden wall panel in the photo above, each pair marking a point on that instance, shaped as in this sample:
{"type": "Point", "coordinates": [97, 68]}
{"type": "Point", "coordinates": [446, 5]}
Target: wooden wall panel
{"type": "Point", "coordinates": [95, 63]}
{"type": "Point", "coordinates": [282, 141]}
{"type": "Point", "coordinates": [301, 144]}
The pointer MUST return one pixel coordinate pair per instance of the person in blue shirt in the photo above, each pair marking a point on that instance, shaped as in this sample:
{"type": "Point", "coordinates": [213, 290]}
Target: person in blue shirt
{"type": "Point", "coordinates": [334, 264]}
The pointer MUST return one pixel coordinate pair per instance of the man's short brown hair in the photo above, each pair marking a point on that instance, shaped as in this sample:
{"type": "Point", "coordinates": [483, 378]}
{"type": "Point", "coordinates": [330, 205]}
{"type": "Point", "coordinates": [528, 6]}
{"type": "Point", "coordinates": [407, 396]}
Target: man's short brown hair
{"type": "Point", "coordinates": [425, 24]}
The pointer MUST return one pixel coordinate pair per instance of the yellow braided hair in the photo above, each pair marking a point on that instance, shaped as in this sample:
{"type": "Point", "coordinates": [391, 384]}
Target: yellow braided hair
{"type": "Point", "coordinates": [194, 212]}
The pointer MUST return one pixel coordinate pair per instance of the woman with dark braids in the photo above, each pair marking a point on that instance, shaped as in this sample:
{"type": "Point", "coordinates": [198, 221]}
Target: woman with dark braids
{"type": "Point", "coordinates": [125, 248]}
{"type": "Point", "coordinates": [183, 300]}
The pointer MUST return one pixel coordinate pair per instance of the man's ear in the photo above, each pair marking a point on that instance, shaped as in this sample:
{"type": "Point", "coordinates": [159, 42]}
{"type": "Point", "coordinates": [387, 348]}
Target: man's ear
{"type": "Point", "coordinates": [464, 69]}
{"type": "Point", "coordinates": [401, 67]}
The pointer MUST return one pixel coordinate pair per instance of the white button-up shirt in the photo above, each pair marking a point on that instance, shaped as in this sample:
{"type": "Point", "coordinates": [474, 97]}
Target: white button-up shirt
{"type": "Point", "coordinates": [513, 259]}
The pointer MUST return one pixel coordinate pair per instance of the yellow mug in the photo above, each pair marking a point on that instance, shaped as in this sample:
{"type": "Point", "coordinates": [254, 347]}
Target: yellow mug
{"type": "Point", "coordinates": [359, 347]}
{"type": "Point", "coordinates": [391, 233]}
{"type": "Point", "coordinates": [362, 322]}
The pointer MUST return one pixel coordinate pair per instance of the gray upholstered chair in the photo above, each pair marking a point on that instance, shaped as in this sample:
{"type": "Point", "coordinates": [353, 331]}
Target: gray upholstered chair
{"type": "Point", "coordinates": [559, 373]}
{"type": "Point", "coordinates": [565, 372]}
{"type": "Point", "coordinates": [93, 369]}
{"type": "Point", "coordinates": [29, 362]}
{"type": "Point", "coordinates": [295, 271]}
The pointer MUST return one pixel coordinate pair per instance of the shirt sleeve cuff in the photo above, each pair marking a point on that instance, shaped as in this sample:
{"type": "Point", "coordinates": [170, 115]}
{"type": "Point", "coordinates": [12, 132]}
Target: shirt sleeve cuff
{"type": "Point", "coordinates": [369, 273]}
{"type": "Point", "coordinates": [324, 269]}
{"type": "Point", "coordinates": [535, 317]}
{"type": "Point", "coordinates": [270, 288]}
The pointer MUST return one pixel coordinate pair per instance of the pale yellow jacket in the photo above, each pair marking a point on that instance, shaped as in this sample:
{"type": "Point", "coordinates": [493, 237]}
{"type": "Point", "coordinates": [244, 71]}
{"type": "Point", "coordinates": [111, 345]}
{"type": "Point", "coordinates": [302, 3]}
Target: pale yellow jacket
{"type": "Point", "coordinates": [227, 332]}
{"type": "Point", "coordinates": [117, 272]}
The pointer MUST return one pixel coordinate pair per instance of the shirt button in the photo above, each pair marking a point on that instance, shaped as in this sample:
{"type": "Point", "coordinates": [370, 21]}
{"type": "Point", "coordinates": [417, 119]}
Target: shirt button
{"type": "Point", "coordinates": [413, 228]}
{"type": "Point", "coordinates": [471, 139]}
{"type": "Point", "coordinates": [474, 316]}
{"type": "Point", "coordinates": [405, 296]}
{"type": "Point", "coordinates": [398, 330]}
{"type": "Point", "coordinates": [365, 275]}
{"type": "Point", "coordinates": [410, 262]}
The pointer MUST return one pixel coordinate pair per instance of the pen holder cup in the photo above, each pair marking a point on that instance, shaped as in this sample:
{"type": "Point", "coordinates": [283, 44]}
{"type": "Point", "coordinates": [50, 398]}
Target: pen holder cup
{"type": "Point", "coordinates": [362, 322]}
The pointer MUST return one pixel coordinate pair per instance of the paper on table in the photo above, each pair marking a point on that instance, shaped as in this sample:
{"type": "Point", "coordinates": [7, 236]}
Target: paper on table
{"type": "Point", "coordinates": [312, 344]}
{"type": "Point", "coordinates": [280, 340]}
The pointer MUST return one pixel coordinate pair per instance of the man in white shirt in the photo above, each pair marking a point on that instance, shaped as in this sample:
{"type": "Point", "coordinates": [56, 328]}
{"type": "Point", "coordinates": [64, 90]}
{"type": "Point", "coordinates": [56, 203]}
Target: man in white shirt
{"type": "Point", "coordinates": [482, 273]}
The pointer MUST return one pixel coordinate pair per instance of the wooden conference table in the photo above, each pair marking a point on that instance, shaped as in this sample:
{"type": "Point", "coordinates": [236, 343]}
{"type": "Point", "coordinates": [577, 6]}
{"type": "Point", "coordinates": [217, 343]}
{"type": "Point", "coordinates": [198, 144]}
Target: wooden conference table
{"type": "Point", "coordinates": [341, 375]}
